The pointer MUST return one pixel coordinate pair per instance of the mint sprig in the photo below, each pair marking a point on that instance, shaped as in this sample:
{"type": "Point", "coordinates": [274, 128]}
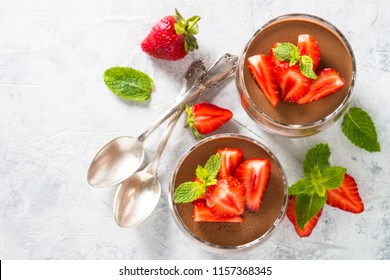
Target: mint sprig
{"type": "Point", "coordinates": [310, 191]}
{"type": "Point", "coordinates": [359, 128]}
{"type": "Point", "coordinates": [289, 52]}
{"type": "Point", "coordinates": [190, 191]}
{"type": "Point", "coordinates": [128, 83]}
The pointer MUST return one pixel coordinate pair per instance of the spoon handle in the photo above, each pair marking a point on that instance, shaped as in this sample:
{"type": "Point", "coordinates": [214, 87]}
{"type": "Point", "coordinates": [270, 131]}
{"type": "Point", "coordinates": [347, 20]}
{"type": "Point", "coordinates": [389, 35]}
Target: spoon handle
{"type": "Point", "coordinates": [223, 68]}
{"type": "Point", "coordinates": [152, 166]}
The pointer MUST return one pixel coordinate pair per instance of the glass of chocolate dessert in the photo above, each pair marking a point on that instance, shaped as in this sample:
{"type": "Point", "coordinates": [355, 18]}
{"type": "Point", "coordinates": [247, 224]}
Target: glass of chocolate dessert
{"type": "Point", "coordinates": [249, 173]}
{"type": "Point", "coordinates": [269, 75]}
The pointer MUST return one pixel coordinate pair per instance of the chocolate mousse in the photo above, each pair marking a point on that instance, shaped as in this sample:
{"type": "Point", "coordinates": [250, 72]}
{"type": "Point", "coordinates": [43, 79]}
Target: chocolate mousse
{"type": "Point", "coordinates": [256, 224]}
{"type": "Point", "coordinates": [334, 54]}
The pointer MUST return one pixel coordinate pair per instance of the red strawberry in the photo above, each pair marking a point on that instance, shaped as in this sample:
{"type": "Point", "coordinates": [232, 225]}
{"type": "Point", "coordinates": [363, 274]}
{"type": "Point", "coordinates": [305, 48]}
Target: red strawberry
{"type": "Point", "coordinates": [328, 82]}
{"type": "Point", "coordinates": [292, 83]}
{"type": "Point", "coordinates": [261, 67]}
{"type": "Point", "coordinates": [203, 214]}
{"type": "Point", "coordinates": [254, 174]}
{"type": "Point", "coordinates": [346, 197]}
{"type": "Point", "coordinates": [204, 118]}
{"type": "Point", "coordinates": [226, 198]}
{"type": "Point", "coordinates": [231, 158]}
{"type": "Point", "coordinates": [172, 37]}
{"type": "Point", "coordinates": [308, 228]}
{"type": "Point", "coordinates": [308, 46]}
{"type": "Point", "coordinates": [276, 60]}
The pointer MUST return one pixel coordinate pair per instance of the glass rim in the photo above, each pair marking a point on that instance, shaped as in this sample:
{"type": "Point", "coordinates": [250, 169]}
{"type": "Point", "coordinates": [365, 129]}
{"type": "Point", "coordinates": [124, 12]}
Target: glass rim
{"type": "Point", "coordinates": [314, 124]}
{"type": "Point", "coordinates": [215, 247]}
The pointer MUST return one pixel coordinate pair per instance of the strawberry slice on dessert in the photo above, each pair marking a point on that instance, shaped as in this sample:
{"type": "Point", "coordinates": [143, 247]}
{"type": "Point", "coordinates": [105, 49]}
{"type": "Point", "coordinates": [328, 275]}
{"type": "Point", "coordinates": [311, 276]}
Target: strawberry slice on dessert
{"type": "Point", "coordinates": [346, 197]}
{"type": "Point", "coordinates": [328, 82]}
{"type": "Point", "coordinates": [310, 225]}
{"type": "Point", "coordinates": [231, 158]}
{"type": "Point", "coordinates": [226, 198]}
{"type": "Point", "coordinates": [262, 69]}
{"type": "Point", "coordinates": [254, 174]}
{"type": "Point", "coordinates": [292, 83]}
{"type": "Point", "coordinates": [307, 45]}
{"type": "Point", "coordinates": [204, 118]}
{"type": "Point", "coordinates": [203, 214]}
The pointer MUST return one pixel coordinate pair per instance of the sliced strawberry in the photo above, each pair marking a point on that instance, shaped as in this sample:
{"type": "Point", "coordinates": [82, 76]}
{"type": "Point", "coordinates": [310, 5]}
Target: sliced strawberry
{"type": "Point", "coordinates": [346, 197]}
{"type": "Point", "coordinates": [307, 45]}
{"type": "Point", "coordinates": [292, 83]}
{"type": "Point", "coordinates": [261, 67]}
{"type": "Point", "coordinates": [204, 118]}
{"type": "Point", "coordinates": [226, 198]}
{"type": "Point", "coordinates": [276, 60]}
{"type": "Point", "coordinates": [203, 214]}
{"type": "Point", "coordinates": [308, 228]}
{"type": "Point", "coordinates": [328, 82]}
{"type": "Point", "coordinates": [231, 158]}
{"type": "Point", "coordinates": [254, 174]}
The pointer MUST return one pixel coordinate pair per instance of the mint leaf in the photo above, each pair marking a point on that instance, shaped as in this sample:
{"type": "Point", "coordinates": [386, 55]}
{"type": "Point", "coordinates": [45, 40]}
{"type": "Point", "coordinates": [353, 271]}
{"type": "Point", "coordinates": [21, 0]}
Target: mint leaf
{"type": "Point", "coordinates": [213, 165]}
{"type": "Point", "coordinates": [360, 129]}
{"type": "Point", "coordinates": [188, 192]}
{"type": "Point", "coordinates": [208, 173]}
{"type": "Point", "coordinates": [303, 186]}
{"type": "Point", "coordinates": [330, 178]}
{"type": "Point", "coordinates": [128, 83]}
{"type": "Point", "coordinates": [306, 67]}
{"type": "Point", "coordinates": [294, 57]}
{"type": "Point", "coordinates": [333, 177]}
{"type": "Point", "coordinates": [316, 179]}
{"type": "Point", "coordinates": [284, 50]}
{"type": "Point", "coordinates": [316, 156]}
{"type": "Point", "coordinates": [307, 206]}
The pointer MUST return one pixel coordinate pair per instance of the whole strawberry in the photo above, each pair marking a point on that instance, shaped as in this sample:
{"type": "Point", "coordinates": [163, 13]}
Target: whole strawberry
{"type": "Point", "coordinates": [172, 37]}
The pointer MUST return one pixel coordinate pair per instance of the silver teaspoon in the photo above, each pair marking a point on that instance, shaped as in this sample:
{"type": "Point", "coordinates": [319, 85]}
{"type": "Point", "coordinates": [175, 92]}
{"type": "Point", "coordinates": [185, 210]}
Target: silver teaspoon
{"type": "Point", "coordinates": [139, 194]}
{"type": "Point", "coordinates": [122, 156]}
{"type": "Point", "coordinates": [143, 187]}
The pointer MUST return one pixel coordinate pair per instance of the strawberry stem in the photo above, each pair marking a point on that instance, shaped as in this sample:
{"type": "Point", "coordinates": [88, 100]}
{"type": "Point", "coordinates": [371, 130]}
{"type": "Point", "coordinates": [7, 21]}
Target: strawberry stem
{"type": "Point", "coordinates": [188, 28]}
{"type": "Point", "coordinates": [197, 18]}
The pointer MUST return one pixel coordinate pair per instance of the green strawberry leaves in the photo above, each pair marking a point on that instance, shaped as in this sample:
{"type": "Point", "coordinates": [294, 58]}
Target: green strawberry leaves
{"type": "Point", "coordinates": [188, 28]}
{"type": "Point", "coordinates": [359, 128]}
{"type": "Point", "coordinates": [128, 83]}
{"type": "Point", "coordinates": [310, 191]}
{"type": "Point", "coordinates": [289, 52]}
{"type": "Point", "coordinates": [190, 191]}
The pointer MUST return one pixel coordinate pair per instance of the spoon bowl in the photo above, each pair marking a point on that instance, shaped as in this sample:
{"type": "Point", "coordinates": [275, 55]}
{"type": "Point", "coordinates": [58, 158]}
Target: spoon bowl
{"type": "Point", "coordinates": [139, 194]}
{"type": "Point", "coordinates": [122, 155]}
{"type": "Point", "coordinates": [136, 198]}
